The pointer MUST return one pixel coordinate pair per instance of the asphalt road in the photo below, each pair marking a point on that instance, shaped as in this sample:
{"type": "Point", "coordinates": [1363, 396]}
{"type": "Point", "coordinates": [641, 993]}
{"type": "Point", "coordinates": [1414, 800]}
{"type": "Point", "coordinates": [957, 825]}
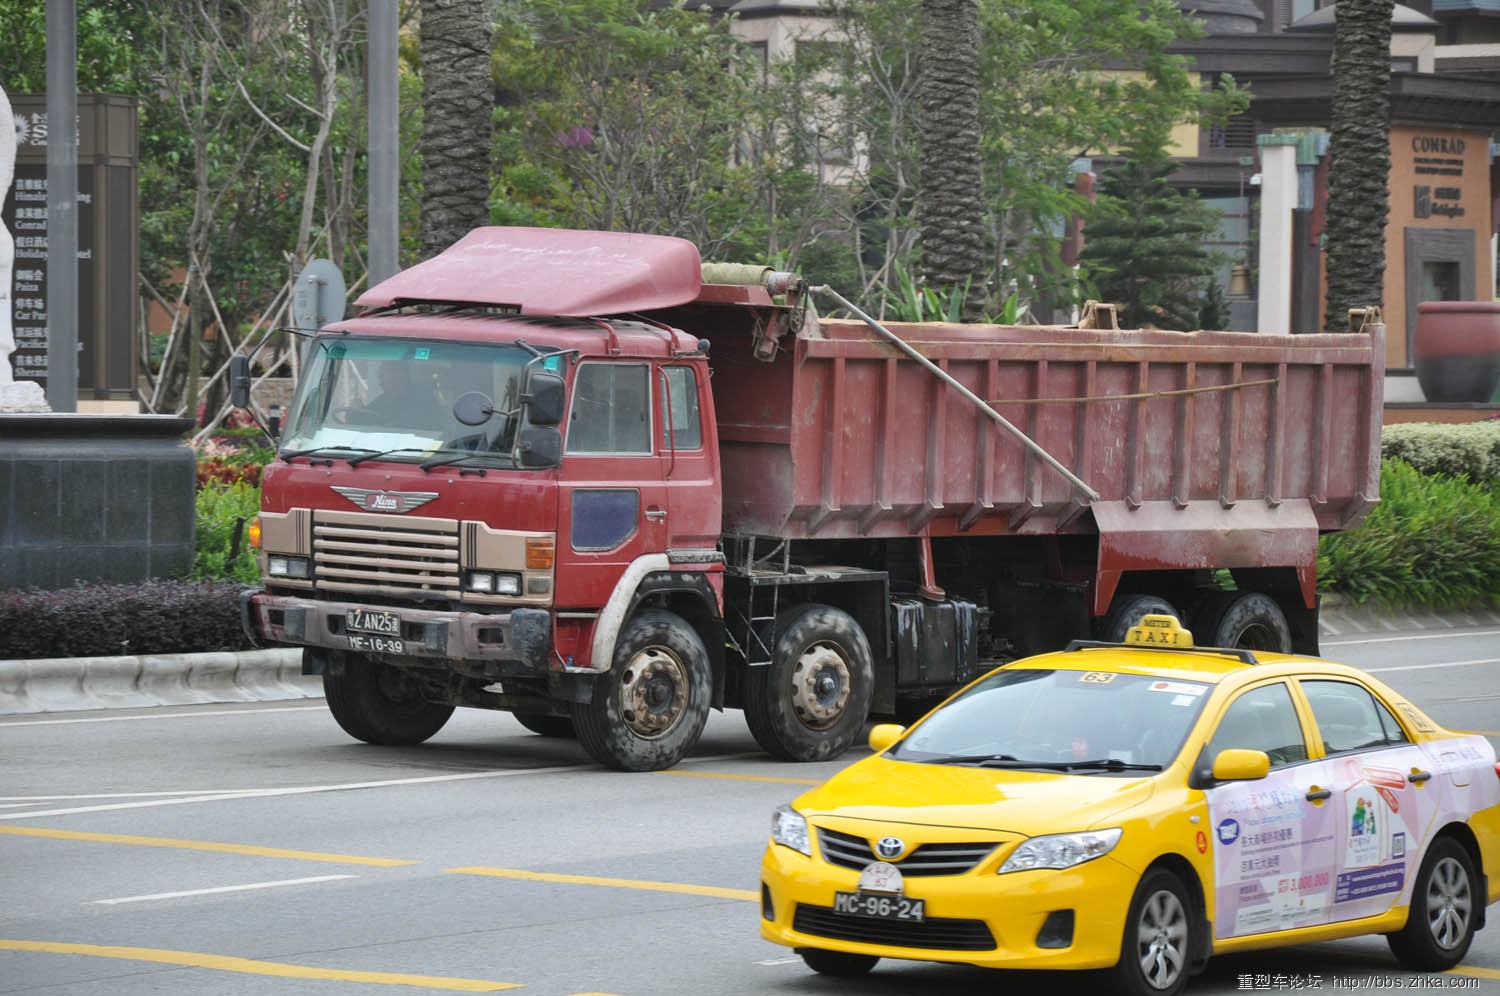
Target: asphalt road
{"type": "Point", "coordinates": [256, 850]}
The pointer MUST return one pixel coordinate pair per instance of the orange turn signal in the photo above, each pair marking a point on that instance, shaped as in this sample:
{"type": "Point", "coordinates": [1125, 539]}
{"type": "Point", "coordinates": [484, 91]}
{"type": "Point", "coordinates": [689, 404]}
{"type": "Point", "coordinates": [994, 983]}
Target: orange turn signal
{"type": "Point", "coordinates": [540, 553]}
{"type": "Point", "coordinates": [252, 532]}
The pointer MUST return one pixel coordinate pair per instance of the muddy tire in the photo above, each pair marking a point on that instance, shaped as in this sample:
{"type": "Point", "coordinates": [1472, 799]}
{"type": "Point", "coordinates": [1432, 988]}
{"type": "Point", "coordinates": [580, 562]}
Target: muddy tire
{"type": "Point", "coordinates": [545, 724]}
{"type": "Point", "coordinates": [1156, 953]}
{"type": "Point", "coordinates": [811, 701]}
{"type": "Point", "coordinates": [1128, 611]}
{"type": "Point", "coordinates": [1242, 621]}
{"type": "Point", "coordinates": [649, 708]}
{"type": "Point", "coordinates": [380, 704]}
{"type": "Point", "coordinates": [1445, 899]}
{"type": "Point", "coordinates": [839, 964]}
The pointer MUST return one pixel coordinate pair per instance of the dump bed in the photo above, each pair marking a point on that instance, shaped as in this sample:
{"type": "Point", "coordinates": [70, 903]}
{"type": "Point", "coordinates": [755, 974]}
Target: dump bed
{"type": "Point", "coordinates": [1204, 448]}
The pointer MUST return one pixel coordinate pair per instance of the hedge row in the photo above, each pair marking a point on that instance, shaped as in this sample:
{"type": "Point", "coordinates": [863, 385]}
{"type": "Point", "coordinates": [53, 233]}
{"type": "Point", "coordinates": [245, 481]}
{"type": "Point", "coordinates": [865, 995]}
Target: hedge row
{"type": "Point", "coordinates": [1471, 451]}
{"type": "Point", "coordinates": [154, 617]}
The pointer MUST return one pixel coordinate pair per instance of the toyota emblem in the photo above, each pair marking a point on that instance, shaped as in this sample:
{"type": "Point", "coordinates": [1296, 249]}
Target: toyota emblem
{"type": "Point", "coordinates": [890, 847]}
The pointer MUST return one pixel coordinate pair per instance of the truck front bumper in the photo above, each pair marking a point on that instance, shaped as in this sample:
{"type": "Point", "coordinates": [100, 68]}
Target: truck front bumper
{"type": "Point", "coordinates": [518, 642]}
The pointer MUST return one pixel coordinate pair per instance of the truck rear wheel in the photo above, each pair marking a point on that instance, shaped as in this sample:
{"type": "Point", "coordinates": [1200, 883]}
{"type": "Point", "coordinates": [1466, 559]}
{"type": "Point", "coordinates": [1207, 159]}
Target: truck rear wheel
{"type": "Point", "coordinates": [1245, 621]}
{"type": "Point", "coordinates": [1128, 611]}
{"type": "Point", "coordinates": [545, 724]}
{"type": "Point", "coordinates": [811, 701]}
{"type": "Point", "coordinates": [380, 704]}
{"type": "Point", "coordinates": [648, 710]}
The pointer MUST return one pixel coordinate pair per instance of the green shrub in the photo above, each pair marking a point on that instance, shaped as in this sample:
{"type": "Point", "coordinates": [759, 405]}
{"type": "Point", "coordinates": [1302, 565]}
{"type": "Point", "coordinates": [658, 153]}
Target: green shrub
{"type": "Point", "coordinates": [90, 620]}
{"type": "Point", "coordinates": [1469, 450]}
{"type": "Point", "coordinates": [223, 512]}
{"type": "Point", "coordinates": [1433, 541]}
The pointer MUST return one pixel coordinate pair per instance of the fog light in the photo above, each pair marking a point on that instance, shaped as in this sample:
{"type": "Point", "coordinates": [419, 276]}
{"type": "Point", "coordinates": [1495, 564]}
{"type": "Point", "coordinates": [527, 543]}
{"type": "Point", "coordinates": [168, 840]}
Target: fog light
{"type": "Point", "coordinates": [288, 567]}
{"type": "Point", "coordinates": [1057, 930]}
{"type": "Point", "coordinates": [767, 908]}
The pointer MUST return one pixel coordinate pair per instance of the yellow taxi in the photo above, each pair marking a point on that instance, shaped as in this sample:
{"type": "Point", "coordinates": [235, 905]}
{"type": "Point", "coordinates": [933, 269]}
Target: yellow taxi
{"type": "Point", "coordinates": [1140, 807]}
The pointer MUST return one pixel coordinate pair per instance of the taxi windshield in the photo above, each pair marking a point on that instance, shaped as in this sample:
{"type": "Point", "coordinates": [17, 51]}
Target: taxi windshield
{"type": "Point", "coordinates": [1086, 722]}
{"type": "Point", "coordinates": [392, 399]}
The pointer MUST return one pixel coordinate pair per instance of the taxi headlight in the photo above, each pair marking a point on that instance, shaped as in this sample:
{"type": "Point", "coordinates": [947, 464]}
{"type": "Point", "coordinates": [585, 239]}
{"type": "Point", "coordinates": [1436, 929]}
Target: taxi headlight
{"type": "Point", "coordinates": [789, 829]}
{"type": "Point", "coordinates": [1061, 850]}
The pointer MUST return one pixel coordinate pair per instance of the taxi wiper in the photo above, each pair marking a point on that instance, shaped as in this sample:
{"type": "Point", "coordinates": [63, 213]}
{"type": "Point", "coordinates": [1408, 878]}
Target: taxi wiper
{"type": "Point", "coordinates": [995, 761]}
{"type": "Point", "coordinates": [1109, 764]}
{"type": "Point", "coordinates": [311, 450]}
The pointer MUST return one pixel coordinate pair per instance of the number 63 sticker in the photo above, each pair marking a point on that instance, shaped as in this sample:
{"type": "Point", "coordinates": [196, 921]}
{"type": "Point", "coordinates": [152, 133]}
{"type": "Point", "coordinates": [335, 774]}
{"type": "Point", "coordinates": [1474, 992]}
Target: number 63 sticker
{"type": "Point", "coordinates": [1096, 677]}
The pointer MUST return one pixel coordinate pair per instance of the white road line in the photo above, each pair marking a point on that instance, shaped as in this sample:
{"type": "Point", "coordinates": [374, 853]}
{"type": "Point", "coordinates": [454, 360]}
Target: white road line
{"type": "Point", "coordinates": [1447, 635]}
{"type": "Point", "coordinates": [1429, 667]}
{"type": "Point", "coordinates": [166, 715]}
{"type": "Point", "coordinates": [222, 888]}
{"type": "Point", "coordinates": [31, 800]}
{"type": "Point", "coordinates": [781, 961]}
{"type": "Point", "coordinates": [271, 793]}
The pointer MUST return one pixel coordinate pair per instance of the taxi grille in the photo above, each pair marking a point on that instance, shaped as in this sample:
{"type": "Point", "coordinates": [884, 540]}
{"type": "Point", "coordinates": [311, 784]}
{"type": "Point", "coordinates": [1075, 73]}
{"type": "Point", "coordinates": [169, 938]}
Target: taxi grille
{"type": "Point", "coordinates": [849, 851]}
{"type": "Point", "coordinates": [939, 933]}
{"type": "Point", "coordinates": [392, 554]}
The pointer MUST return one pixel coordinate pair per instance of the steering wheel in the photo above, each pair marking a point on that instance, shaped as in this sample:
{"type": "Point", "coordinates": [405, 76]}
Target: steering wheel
{"type": "Point", "coordinates": [354, 415]}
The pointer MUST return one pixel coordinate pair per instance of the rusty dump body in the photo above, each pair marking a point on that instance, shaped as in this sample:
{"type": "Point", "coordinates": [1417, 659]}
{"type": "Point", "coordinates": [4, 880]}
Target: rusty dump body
{"type": "Point", "coordinates": [1207, 449]}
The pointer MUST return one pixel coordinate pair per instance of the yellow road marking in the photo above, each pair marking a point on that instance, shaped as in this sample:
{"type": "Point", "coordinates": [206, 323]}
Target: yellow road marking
{"type": "Point", "coordinates": [248, 966]}
{"type": "Point", "coordinates": [1476, 973]}
{"type": "Point", "coordinates": [742, 778]}
{"type": "Point", "coordinates": [614, 883]}
{"type": "Point", "coordinates": [203, 845]}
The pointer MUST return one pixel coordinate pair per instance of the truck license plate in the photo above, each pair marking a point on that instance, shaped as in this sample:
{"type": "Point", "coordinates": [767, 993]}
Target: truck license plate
{"type": "Point", "coordinates": [880, 907]}
{"type": "Point", "coordinates": [376, 644]}
{"type": "Point", "coordinates": [373, 621]}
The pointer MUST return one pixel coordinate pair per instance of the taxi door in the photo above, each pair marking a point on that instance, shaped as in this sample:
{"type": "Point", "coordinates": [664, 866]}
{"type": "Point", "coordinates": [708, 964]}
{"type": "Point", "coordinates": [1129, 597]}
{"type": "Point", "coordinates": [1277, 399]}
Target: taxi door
{"type": "Point", "coordinates": [612, 502]}
{"type": "Point", "coordinates": [1381, 791]}
{"type": "Point", "coordinates": [1274, 837]}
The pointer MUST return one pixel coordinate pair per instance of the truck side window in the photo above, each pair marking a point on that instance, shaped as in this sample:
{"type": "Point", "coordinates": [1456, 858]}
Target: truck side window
{"type": "Point", "coordinates": [611, 409]}
{"type": "Point", "coordinates": [682, 394]}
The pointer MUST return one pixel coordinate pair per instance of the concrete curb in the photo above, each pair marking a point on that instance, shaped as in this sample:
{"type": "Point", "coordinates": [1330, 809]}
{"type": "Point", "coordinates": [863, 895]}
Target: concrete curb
{"type": "Point", "coordinates": [70, 684]}
{"type": "Point", "coordinates": [67, 684]}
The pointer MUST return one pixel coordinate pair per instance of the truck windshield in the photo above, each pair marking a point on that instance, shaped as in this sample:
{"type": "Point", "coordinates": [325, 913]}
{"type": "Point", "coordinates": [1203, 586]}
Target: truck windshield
{"type": "Point", "coordinates": [393, 399]}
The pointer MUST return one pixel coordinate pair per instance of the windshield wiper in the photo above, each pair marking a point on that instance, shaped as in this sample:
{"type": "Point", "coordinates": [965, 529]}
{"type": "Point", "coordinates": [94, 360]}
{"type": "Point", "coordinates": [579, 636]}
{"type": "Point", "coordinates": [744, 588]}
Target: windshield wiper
{"type": "Point", "coordinates": [995, 761]}
{"type": "Point", "coordinates": [341, 450]}
{"type": "Point", "coordinates": [377, 454]}
{"type": "Point", "coordinates": [1109, 764]}
{"type": "Point", "coordinates": [445, 461]}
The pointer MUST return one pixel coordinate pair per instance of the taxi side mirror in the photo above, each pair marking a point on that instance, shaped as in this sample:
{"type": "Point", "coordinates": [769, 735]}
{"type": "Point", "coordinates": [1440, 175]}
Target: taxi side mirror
{"type": "Point", "coordinates": [882, 735]}
{"type": "Point", "coordinates": [1238, 765]}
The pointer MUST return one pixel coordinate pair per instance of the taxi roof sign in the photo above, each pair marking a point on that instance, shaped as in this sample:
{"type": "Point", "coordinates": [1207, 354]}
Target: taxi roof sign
{"type": "Point", "coordinates": [1159, 631]}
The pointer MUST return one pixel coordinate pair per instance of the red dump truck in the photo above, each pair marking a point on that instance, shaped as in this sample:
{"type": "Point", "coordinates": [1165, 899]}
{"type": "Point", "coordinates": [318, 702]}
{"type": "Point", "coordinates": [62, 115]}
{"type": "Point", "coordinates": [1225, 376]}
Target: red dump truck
{"type": "Point", "coordinates": [568, 475]}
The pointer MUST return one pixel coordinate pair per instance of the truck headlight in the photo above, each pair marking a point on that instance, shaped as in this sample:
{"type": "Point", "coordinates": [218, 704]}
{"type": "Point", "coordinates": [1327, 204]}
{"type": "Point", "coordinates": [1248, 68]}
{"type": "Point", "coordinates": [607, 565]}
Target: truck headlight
{"type": "Point", "coordinates": [278, 566]}
{"type": "Point", "coordinates": [492, 583]}
{"type": "Point", "coordinates": [1061, 850]}
{"type": "Point", "coordinates": [789, 829]}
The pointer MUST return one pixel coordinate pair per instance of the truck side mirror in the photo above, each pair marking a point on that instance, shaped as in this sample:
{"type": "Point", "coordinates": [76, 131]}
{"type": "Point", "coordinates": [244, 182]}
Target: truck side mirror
{"type": "Point", "coordinates": [239, 380]}
{"type": "Point", "coordinates": [540, 447]}
{"type": "Point", "coordinates": [543, 399]}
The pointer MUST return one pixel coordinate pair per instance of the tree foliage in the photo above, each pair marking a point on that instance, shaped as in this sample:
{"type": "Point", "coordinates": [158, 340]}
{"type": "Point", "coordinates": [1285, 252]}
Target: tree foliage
{"type": "Point", "coordinates": [1144, 250]}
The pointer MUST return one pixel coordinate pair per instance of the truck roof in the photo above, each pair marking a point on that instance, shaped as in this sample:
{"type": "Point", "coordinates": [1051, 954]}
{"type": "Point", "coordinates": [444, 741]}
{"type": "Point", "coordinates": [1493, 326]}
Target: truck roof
{"type": "Point", "coordinates": [617, 337]}
{"type": "Point", "coordinates": [550, 271]}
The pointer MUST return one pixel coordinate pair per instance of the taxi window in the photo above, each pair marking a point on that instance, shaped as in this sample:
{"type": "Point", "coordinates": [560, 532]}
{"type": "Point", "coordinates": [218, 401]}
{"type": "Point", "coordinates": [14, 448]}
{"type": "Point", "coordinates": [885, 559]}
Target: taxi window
{"type": "Point", "coordinates": [1262, 719]}
{"type": "Point", "coordinates": [1349, 718]}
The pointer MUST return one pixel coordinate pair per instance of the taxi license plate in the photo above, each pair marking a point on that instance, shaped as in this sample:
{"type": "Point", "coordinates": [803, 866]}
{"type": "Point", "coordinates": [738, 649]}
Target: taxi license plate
{"type": "Point", "coordinates": [880, 907]}
{"type": "Point", "coordinates": [376, 644]}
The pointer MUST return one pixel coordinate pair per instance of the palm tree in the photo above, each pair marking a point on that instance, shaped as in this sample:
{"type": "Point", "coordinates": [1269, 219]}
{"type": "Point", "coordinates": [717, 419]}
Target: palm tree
{"type": "Point", "coordinates": [950, 208]}
{"type": "Point", "coordinates": [457, 104]}
{"type": "Point", "coordinates": [1359, 158]}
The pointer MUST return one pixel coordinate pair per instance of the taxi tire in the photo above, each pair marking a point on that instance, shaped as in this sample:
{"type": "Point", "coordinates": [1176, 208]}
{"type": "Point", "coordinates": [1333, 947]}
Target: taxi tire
{"type": "Point", "coordinates": [770, 694]}
{"type": "Point", "coordinates": [1160, 892]}
{"type": "Point", "coordinates": [1448, 870]}
{"type": "Point", "coordinates": [380, 704]}
{"type": "Point", "coordinates": [1245, 620]}
{"type": "Point", "coordinates": [652, 639]}
{"type": "Point", "coordinates": [840, 964]}
{"type": "Point", "coordinates": [546, 725]}
{"type": "Point", "coordinates": [1129, 610]}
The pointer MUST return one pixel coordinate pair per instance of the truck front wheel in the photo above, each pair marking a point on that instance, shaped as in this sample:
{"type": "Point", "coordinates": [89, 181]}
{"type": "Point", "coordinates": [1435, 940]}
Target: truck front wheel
{"type": "Point", "coordinates": [380, 704]}
{"type": "Point", "coordinates": [648, 710]}
{"type": "Point", "coordinates": [811, 701]}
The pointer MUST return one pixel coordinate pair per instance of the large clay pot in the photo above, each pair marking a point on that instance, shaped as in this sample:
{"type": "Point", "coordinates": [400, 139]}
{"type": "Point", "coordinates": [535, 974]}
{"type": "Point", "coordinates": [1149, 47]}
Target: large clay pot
{"type": "Point", "coordinates": [1456, 350]}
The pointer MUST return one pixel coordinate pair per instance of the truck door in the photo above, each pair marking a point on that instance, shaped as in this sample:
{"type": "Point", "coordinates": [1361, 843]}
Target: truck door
{"type": "Point", "coordinates": [690, 463]}
{"type": "Point", "coordinates": [612, 499]}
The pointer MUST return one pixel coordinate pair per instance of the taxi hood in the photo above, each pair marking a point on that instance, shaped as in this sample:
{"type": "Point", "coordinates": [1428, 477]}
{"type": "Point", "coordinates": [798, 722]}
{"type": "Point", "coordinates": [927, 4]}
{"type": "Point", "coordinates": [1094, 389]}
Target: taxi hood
{"type": "Point", "coordinates": [1025, 802]}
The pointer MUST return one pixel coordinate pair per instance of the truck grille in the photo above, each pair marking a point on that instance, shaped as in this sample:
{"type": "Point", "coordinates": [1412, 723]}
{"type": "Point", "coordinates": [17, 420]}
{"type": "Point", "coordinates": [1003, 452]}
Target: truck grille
{"type": "Point", "coordinates": [849, 851]}
{"type": "Point", "coordinates": [939, 933]}
{"type": "Point", "coordinates": [385, 554]}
